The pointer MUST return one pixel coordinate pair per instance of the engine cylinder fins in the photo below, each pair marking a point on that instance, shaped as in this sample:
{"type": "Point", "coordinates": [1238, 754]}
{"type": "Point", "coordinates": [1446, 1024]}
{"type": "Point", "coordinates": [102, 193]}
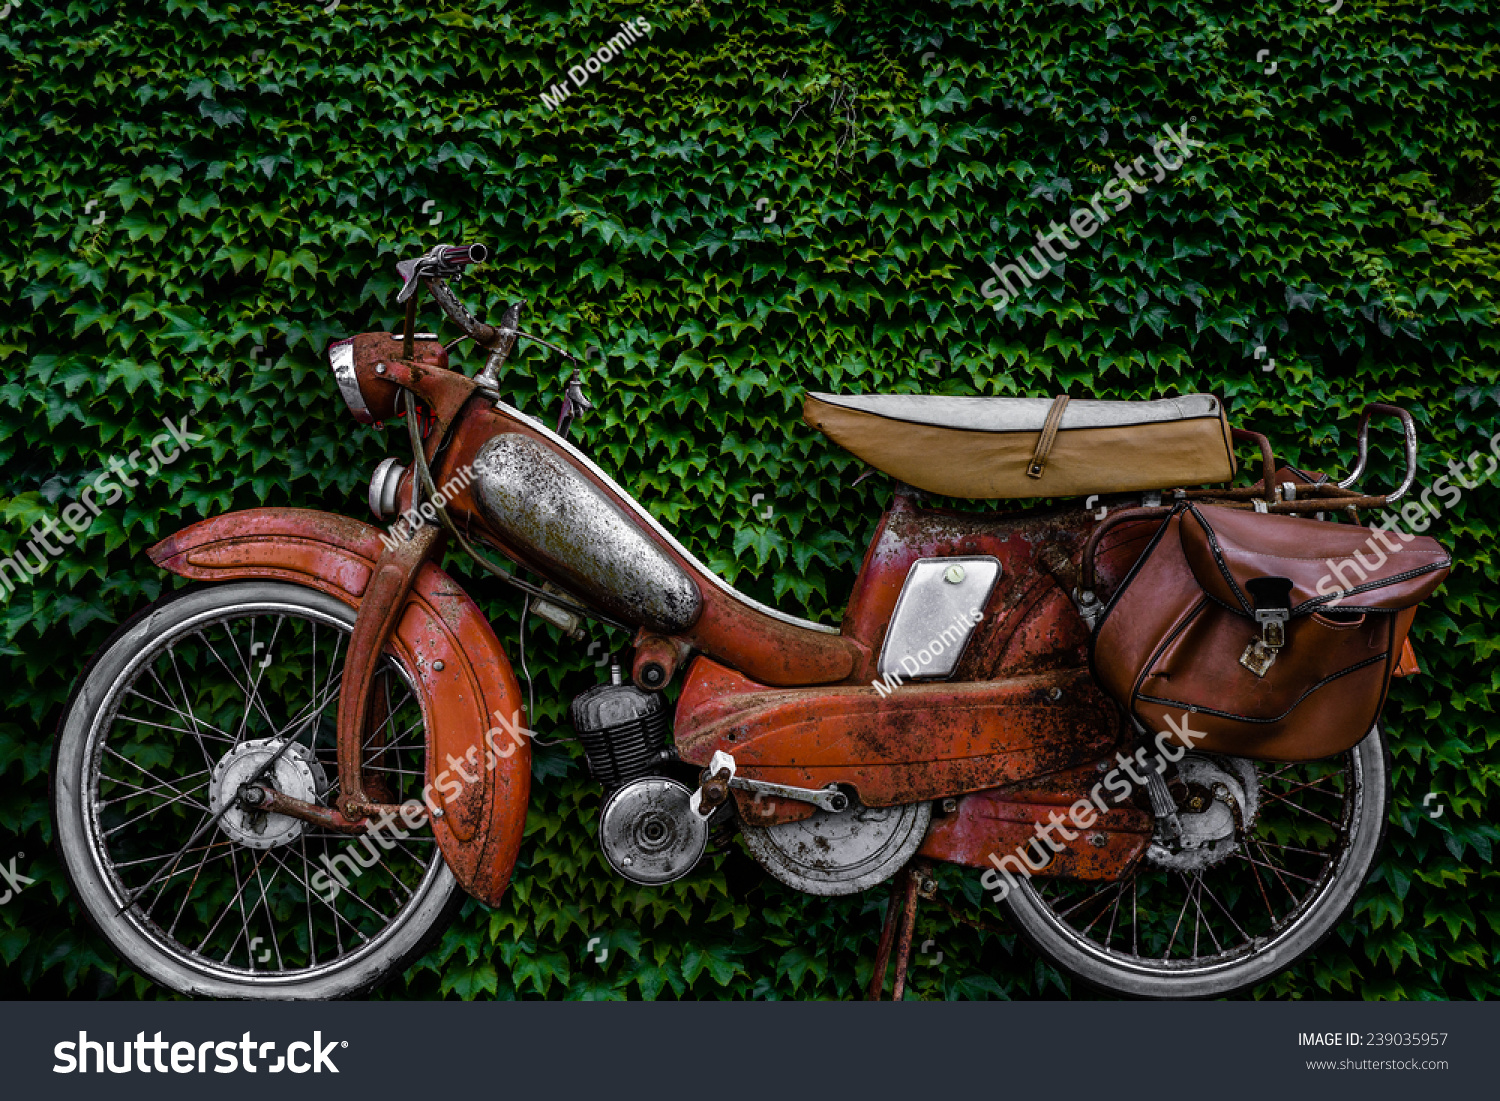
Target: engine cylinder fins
{"type": "Point", "coordinates": [843, 852]}
{"type": "Point", "coordinates": [623, 731]}
{"type": "Point", "coordinates": [649, 834]}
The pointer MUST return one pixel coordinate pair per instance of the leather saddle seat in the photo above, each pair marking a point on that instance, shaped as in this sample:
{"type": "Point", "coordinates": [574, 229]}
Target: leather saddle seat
{"type": "Point", "coordinates": [989, 448]}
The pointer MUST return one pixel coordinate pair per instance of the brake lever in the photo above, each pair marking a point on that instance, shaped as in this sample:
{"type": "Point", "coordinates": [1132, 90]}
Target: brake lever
{"type": "Point", "coordinates": [574, 404]}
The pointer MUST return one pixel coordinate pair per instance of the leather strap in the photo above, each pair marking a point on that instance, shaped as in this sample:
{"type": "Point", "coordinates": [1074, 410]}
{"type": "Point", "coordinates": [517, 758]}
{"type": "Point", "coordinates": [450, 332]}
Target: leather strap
{"type": "Point", "coordinates": [1038, 464]}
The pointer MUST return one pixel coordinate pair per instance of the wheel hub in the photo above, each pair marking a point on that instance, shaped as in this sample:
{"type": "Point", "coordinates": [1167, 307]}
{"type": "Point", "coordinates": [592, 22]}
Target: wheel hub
{"type": "Point", "coordinates": [296, 774]}
{"type": "Point", "coordinates": [1223, 796]}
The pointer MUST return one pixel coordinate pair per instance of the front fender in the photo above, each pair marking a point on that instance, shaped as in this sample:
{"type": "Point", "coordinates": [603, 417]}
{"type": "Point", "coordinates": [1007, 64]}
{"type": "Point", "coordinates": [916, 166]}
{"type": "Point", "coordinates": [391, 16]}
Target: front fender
{"type": "Point", "coordinates": [480, 833]}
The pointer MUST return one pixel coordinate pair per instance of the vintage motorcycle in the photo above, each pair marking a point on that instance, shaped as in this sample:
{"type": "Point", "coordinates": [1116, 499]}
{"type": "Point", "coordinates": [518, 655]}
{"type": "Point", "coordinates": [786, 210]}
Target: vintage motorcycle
{"type": "Point", "coordinates": [279, 782]}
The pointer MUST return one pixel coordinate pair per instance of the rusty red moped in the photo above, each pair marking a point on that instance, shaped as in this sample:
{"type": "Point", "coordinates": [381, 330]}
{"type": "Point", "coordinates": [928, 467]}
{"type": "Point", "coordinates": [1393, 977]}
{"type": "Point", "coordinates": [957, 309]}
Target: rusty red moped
{"type": "Point", "coordinates": [281, 780]}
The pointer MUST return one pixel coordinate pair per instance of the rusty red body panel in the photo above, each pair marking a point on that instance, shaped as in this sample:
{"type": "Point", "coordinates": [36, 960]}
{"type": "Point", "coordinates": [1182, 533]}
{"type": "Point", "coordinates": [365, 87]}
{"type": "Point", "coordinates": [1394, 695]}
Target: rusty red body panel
{"type": "Point", "coordinates": [1004, 820]}
{"type": "Point", "coordinates": [480, 831]}
{"type": "Point", "coordinates": [1029, 624]}
{"type": "Point", "coordinates": [1021, 702]}
{"type": "Point", "coordinates": [918, 742]}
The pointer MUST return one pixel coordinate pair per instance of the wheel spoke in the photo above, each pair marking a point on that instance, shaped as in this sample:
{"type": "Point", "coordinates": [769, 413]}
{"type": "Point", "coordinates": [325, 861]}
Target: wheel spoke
{"type": "Point", "coordinates": [113, 752]}
{"type": "Point", "coordinates": [1187, 902]}
{"type": "Point", "coordinates": [249, 696]}
{"type": "Point", "coordinates": [210, 686]}
{"type": "Point", "coordinates": [171, 929]}
{"type": "Point", "coordinates": [136, 791]}
{"type": "Point", "coordinates": [254, 673]}
{"type": "Point", "coordinates": [188, 799]}
{"type": "Point", "coordinates": [1307, 812]}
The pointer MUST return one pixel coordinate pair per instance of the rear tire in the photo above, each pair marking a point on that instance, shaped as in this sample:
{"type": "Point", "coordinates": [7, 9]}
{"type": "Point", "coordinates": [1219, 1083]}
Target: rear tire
{"type": "Point", "coordinates": [1050, 912]}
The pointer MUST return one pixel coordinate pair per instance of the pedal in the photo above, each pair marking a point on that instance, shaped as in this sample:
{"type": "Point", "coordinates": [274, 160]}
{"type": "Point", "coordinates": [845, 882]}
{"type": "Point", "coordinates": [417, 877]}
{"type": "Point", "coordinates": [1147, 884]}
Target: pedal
{"type": "Point", "coordinates": [720, 777]}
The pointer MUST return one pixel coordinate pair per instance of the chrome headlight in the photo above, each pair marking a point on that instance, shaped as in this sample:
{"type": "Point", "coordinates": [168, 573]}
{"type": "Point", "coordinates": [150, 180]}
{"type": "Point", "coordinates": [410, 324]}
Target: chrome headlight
{"type": "Point", "coordinates": [341, 359]}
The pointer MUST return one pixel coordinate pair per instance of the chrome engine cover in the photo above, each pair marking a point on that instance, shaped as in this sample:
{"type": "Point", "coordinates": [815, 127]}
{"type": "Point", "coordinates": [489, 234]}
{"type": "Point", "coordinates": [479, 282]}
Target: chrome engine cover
{"type": "Point", "coordinates": [935, 615]}
{"type": "Point", "coordinates": [649, 834]}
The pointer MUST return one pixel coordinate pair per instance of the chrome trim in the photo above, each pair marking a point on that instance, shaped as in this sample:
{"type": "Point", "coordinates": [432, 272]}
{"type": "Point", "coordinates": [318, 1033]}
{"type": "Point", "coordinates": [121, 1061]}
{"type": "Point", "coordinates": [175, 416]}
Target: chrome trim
{"type": "Point", "coordinates": [635, 506]}
{"type": "Point", "coordinates": [940, 595]}
{"type": "Point", "coordinates": [384, 484]}
{"type": "Point", "coordinates": [341, 359]}
{"type": "Point", "coordinates": [1409, 434]}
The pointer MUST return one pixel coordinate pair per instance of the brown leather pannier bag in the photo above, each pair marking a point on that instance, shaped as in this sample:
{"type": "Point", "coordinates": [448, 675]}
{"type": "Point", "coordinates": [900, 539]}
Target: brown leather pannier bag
{"type": "Point", "coordinates": [1278, 634]}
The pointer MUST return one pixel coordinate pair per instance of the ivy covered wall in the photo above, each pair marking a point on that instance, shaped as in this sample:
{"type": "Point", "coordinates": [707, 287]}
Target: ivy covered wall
{"type": "Point", "coordinates": [750, 201]}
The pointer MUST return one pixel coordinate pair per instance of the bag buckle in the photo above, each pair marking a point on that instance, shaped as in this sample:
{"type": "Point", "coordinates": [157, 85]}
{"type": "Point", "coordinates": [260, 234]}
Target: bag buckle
{"type": "Point", "coordinates": [1272, 610]}
{"type": "Point", "coordinates": [1258, 657]}
{"type": "Point", "coordinates": [1272, 626]}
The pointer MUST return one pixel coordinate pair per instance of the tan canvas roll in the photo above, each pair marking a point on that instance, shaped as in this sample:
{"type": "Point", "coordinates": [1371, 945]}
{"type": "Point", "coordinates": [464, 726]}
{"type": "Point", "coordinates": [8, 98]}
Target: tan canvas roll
{"type": "Point", "coordinates": [984, 447]}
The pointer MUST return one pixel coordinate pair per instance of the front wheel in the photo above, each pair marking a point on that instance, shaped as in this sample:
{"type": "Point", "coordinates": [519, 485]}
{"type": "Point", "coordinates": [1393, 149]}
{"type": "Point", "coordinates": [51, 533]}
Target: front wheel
{"type": "Point", "coordinates": [186, 703]}
{"type": "Point", "coordinates": [1260, 877]}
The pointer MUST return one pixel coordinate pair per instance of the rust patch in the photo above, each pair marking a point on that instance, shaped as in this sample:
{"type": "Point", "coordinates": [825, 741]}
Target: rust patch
{"type": "Point", "coordinates": [918, 742]}
{"type": "Point", "coordinates": [1004, 821]}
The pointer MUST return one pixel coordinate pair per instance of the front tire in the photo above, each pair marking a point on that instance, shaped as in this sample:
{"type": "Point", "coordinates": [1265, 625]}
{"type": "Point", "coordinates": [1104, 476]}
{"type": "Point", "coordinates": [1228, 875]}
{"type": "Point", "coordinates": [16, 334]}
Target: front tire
{"type": "Point", "coordinates": [183, 697]}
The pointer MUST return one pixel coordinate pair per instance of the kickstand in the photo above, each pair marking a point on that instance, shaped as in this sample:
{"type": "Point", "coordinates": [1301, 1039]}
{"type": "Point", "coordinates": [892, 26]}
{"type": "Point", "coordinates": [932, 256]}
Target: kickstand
{"type": "Point", "coordinates": [911, 883]}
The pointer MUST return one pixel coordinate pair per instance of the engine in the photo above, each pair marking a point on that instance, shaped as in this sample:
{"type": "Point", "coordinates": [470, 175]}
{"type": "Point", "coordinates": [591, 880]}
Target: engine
{"type": "Point", "coordinates": [623, 731]}
{"type": "Point", "coordinates": [647, 831]}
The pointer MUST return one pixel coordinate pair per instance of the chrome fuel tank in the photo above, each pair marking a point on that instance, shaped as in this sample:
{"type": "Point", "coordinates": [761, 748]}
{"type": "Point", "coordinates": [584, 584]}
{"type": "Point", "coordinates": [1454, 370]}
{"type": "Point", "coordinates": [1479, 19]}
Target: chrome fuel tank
{"type": "Point", "coordinates": [547, 510]}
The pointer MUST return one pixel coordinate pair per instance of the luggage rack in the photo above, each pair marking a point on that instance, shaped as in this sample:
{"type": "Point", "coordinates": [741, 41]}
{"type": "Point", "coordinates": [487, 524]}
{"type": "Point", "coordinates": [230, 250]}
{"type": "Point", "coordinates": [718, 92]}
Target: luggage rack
{"type": "Point", "coordinates": [1265, 496]}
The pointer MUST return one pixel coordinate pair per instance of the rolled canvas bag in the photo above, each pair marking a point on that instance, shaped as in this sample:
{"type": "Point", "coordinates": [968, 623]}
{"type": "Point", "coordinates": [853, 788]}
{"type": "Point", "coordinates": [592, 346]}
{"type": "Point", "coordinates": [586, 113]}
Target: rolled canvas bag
{"type": "Point", "coordinates": [1278, 634]}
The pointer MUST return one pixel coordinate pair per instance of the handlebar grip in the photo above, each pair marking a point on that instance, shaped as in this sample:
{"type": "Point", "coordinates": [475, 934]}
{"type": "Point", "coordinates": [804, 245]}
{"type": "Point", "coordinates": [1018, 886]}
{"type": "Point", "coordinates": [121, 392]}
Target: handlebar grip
{"type": "Point", "coordinates": [465, 254]}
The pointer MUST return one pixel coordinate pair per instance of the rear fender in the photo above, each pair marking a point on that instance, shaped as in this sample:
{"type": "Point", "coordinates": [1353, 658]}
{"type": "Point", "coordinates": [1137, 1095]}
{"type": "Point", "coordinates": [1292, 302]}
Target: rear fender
{"type": "Point", "coordinates": [474, 693]}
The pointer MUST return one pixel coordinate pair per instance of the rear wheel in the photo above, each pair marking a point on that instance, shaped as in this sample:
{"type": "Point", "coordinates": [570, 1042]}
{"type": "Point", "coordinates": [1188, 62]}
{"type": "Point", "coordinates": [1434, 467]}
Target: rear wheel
{"type": "Point", "coordinates": [1274, 856]}
{"type": "Point", "coordinates": [187, 703]}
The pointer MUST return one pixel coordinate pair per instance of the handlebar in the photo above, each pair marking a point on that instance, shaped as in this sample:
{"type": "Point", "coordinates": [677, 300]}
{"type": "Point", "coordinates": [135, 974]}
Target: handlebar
{"type": "Point", "coordinates": [463, 254]}
{"type": "Point", "coordinates": [432, 269]}
{"type": "Point", "coordinates": [440, 262]}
